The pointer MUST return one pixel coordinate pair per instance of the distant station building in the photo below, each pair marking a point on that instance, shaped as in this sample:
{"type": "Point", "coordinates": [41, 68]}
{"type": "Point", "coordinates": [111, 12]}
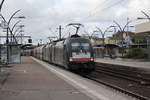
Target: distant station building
{"type": "Point", "coordinates": [143, 28]}
{"type": "Point", "coordinates": [144, 31]}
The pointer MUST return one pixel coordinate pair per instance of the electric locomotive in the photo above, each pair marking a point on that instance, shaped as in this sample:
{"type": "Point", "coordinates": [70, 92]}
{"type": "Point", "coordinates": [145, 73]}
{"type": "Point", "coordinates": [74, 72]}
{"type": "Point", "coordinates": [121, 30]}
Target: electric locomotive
{"type": "Point", "coordinates": [73, 53]}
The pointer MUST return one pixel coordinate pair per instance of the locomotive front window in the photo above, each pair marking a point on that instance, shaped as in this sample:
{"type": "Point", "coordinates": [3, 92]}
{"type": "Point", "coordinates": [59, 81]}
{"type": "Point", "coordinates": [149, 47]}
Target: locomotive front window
{"type": "Point", "coordinates": [85, 46]}
{"type": "Point", "coordinates": [77, 47]}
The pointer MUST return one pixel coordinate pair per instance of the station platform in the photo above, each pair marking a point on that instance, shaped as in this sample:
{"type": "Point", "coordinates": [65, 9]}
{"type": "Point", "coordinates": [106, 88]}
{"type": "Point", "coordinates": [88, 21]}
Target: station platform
{"type": "Point", "coordinates": [35, 80]}
{"type": "Point", "coordinates": [138, 64]}
{"type": "Point", "coordinates": [125, 62]}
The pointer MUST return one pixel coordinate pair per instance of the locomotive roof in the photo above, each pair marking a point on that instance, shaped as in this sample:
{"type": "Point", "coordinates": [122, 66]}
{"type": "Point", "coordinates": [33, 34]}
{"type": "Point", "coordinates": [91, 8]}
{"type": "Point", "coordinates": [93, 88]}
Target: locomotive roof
{"type": "Point", "coordinates": [59, 40]}
{"type": "Point", "coordinates": [72, 37]}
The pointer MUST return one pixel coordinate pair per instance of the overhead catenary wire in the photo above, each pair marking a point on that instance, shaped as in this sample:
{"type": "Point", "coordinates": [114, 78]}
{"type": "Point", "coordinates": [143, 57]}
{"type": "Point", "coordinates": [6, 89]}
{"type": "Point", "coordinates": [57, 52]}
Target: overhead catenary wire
{"type": "Point", "coordinates": [99, 5]}
{"type": "Point", "coordinates": [95, 10]}
{"type": "Point", "coordinates": [108, 7]}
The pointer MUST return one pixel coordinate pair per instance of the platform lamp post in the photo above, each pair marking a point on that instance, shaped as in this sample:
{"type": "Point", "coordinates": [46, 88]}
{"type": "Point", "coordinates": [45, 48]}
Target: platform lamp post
{"type": "Point", "coordinates": [6, 26]}
{"type": "Point", "coordinates": [7, 41]}
{"type": "Point", "coordinates": [103, 33]}
{"type": "Point", "coordinates": [1, 5]}
{"type": "Point", "coordinates": [8, 29]}
{"type": "Point", "coordinates": [122, 30]}
{"type": "Point", "coordinates": [15, 25]}
{"type": "Point", "coordinates": [13, 29]}
{"type": "Point", "coordinates": [148, 38]}
{"type": "Point", "coordinates": [147, 16]}
{"type": "Point", "coordinates": [114, 32]}
{"type": "Point", "coordinates": [2, 2]}
{"type": "Point", "coordinates": [19, 35]}
{"type": "Point", "coordinates": [15, 32]}
{"type": "Point", "coordinates": [127, 35]}
{"type": "Point", "coordinates": [19, 27]}
{"type": "Point", "coordinates": [20, 17]}
{"type": "Point", "coordinates": [21, 38]}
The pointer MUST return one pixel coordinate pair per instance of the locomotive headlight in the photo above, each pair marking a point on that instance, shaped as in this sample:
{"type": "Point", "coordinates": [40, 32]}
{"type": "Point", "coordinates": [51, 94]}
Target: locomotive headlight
{"type": "Point", "coordinates": [70, 59]}
{"type": "Point", "coordinates": [92, 59]}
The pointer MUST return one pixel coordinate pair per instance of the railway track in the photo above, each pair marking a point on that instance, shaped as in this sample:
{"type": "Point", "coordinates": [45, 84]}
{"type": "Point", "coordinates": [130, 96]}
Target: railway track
{"type": "Point", "coordinates": [128, 77]}
{"type": "Point", "coordinates": [135, 95]}
{"type": "Point", "coordinates": [124, 75]}
{"type": "Point", "coordinates": [138, 72]}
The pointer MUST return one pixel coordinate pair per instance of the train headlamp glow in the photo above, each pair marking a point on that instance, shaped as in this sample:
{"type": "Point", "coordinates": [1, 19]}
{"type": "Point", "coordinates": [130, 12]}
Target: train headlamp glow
{"type": "Point", "coordinates": [81, 59]}
{"type": "Point", "coordinates": [92, 59]}
{"type": "Point", "coordinates": [70, 59]}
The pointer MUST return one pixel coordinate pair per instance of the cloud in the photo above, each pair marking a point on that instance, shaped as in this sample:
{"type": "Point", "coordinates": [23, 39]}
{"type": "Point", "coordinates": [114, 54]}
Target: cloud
{"type": "Point", "coordinates": [44, 14]}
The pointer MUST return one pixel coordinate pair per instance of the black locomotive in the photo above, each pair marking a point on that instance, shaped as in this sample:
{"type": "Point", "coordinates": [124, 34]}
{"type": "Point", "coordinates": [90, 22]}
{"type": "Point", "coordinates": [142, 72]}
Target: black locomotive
{"type": "Point", "coordinates": [73, 53]}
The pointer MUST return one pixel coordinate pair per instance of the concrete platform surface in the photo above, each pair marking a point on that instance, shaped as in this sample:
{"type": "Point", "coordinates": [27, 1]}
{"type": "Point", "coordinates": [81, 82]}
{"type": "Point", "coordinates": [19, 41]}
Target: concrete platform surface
{"type": "Point", "coordinates": [125, 62]}
{"type": "Point", "coordinates": [30, 81]}
{"type": "Point", "coordinates": [92, 89]}
{"type": "Point", "coordinates": [3, 77]}
{"type": "Point", "coordinates": [34, 79]}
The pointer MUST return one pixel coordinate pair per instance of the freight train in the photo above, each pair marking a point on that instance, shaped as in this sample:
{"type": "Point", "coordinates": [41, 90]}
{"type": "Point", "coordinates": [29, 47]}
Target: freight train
{"type": "Point", "coordinates": [74, 53]}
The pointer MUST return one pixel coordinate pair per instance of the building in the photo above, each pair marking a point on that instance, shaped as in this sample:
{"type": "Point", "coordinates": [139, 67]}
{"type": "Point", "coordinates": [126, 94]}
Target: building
{"type": "Point", "coordinates": [142, 34]}
{"type": "Point", "coordinates": [119, 38]}
{"type": "Point", "coordinates": [143, 28]}
{"type": "Point", "coordinates": [144, 31]}
{"type": "Point", "coordinates": [96, 41]}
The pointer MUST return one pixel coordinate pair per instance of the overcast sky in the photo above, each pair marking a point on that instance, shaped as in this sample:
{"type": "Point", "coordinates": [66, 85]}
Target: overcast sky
{"type": "Point", "coordinates": [42, 15]}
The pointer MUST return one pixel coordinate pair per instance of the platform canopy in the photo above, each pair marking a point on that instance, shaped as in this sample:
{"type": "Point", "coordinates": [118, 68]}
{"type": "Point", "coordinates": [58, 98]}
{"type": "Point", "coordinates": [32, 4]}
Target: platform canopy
{"type": "Point", "coordinates": [143, 28]}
